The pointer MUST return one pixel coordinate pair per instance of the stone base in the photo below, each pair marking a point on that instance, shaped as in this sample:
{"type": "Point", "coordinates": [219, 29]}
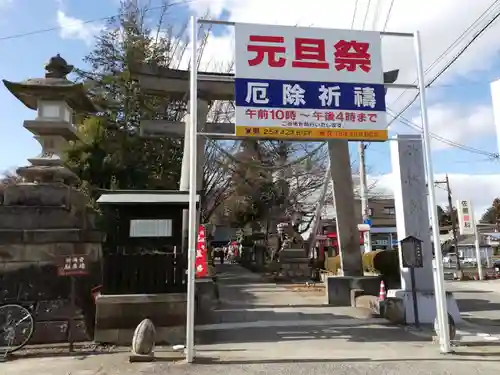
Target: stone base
{"type": "Point", "coordinates": [399, 307]}
{"type": "Point", "coordinates": [117, 316]}
{"type": "Point", "coordinates": [338, 288]}
{"type": "Point", "coordinates": [298, 269]}
{"type": "Point", "coordinates": [207, 300]}
{"type": "Point", "coordinates": [141, 358]}
{"type": "Point", "coordinates": [123, 336]}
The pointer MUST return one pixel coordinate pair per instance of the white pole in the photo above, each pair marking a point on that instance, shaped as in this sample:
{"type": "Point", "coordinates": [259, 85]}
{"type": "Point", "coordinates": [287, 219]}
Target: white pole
{"type": "Point", "coordinates": [478, 251]}
{"type": "Point", "coordinates": [441, 307]}
{"type": "Point", "coordinates": [363, 192]}
{"type": "Point", "coordinates": [193, 101]}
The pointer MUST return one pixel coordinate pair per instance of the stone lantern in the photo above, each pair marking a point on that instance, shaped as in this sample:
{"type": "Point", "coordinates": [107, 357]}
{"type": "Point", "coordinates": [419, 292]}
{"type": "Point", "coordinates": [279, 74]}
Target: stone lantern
{"type": "Point", "coordinates": [48, 237]}
{"type": "Point", "coordinates": [56, 99]}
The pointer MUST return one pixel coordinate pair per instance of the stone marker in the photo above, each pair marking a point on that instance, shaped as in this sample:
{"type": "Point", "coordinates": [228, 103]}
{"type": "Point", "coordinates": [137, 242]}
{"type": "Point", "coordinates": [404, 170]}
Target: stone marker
{"type": "Point", "coordinates": [143, 342]}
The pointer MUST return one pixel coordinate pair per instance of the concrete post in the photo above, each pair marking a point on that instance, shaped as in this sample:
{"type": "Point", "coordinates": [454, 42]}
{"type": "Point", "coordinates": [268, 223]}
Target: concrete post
{"type": "Point", "coordinates": [343, 197]}
{"type": "Point", "coordinates": [184, 180]}
{"type": "Point", "coordinates": [412, 218]}
{"type": "Point", "coordinates": [412, 210]}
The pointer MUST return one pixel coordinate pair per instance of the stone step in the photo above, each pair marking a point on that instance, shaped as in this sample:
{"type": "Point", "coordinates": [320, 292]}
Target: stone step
{"type": "Point", "coordinates": [293, 253]}
{"type": "Point", "coordinates": [294, 260]}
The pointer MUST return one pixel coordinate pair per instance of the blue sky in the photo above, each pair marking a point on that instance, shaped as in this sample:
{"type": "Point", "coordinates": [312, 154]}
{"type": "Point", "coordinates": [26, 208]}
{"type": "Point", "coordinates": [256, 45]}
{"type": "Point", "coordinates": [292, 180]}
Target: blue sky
{"type": "Point", "coordinates": [24, 57]}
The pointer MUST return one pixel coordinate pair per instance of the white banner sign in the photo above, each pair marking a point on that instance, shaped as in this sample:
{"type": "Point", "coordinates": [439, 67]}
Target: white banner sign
{"type": "Point", "coordinates": [465, 217]}
{"type": "Point", "coordinates": [309, 83]}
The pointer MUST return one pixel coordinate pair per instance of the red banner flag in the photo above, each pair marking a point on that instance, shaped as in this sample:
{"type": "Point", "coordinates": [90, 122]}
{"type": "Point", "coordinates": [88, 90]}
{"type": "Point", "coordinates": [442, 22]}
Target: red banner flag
{"type": "Point", "coordinates": [201, 253]}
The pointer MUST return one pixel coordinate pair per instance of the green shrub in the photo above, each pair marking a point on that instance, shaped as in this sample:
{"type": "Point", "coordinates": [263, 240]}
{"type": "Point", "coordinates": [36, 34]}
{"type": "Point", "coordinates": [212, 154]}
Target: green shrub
{"type": "Point", "coordinates": [368, 261]}
{"type": "Point", "coordinates": [386, 263]}
{"type": "Point", "coordinates": [332, 264]}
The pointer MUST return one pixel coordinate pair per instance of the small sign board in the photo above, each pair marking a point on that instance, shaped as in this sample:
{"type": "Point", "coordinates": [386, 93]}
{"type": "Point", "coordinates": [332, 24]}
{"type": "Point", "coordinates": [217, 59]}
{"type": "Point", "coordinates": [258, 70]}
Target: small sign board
{"type": "Point", "coordinates": [73, 265]}
{"type": "Point", "coordinates": [411, 250]}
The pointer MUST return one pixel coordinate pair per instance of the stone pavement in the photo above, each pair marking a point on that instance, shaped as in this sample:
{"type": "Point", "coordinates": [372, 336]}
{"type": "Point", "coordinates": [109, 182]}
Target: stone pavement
{"type": "Point", "coordinates": [269, 328]}
{"type": "Point", "coordinates": [479, 304]}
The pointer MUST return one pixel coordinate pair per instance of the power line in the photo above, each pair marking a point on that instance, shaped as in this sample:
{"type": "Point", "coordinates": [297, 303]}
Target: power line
{"type": "Point", "coordinates": [453, 45]}
{"type": "Point", "coordinates": [86, 22]}
{"type": "Point", "coordinates": [443, 70]}
{"type": "Point", "coordinates": [451, 62]}
{"type": "Point", "coordinates": [376, 14]}
{"type": "Point", "coordinates": [388, 15]}
{"type": "Point", "coordinates": [446, 141]}
{"type": "Point", "coordinates": [354, 13]}
{"type": "Point", "coordinates": [366, 14]}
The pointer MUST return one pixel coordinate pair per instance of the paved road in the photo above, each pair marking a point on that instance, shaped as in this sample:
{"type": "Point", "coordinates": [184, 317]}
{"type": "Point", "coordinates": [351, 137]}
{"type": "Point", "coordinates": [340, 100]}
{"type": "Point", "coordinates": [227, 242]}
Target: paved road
{"type": "Point", "coordinates": [268, 328]}
{"type": "Point", "coordinates": [478, 300]}
{"type": "Point", "coordinates": [479, 304]}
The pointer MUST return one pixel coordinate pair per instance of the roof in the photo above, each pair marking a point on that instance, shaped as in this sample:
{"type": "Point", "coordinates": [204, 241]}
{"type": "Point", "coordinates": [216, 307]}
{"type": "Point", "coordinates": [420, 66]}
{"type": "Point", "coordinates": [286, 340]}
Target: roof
{"type": "Point", "coordinates": [145, 197]}
{"type": "Point", "coordinates": [469, 239]}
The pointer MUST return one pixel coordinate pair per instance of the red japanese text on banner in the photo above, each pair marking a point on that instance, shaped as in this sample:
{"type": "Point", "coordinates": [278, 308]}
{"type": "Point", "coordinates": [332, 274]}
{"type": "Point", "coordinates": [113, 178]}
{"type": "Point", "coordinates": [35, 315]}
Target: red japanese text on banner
{"type": "Point", "coordinates": [201, 262]}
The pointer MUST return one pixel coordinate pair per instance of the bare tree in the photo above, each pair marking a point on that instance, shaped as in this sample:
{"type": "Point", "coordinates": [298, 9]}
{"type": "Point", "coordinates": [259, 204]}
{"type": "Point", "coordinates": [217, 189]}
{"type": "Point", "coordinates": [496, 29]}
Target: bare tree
{"type": "Point", "coordinates": [8, 178]}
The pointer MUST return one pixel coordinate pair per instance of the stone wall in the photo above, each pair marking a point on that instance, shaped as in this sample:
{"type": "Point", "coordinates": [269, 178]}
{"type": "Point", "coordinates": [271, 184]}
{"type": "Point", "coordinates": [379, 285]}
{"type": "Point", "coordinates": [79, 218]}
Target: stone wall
{"type": "Point", "coordinates": [29, 276]}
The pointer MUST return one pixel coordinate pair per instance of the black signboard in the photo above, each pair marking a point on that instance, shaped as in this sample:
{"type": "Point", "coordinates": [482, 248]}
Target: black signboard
{"type": "Point", "coordinates": [411, 251]}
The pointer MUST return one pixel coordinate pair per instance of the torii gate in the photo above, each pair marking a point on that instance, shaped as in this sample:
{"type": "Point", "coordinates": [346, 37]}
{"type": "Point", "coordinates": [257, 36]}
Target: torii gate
{"type": "Point", "coordinates": [408, 157]}
{"type": "Point", "coordinates": [174, 83]}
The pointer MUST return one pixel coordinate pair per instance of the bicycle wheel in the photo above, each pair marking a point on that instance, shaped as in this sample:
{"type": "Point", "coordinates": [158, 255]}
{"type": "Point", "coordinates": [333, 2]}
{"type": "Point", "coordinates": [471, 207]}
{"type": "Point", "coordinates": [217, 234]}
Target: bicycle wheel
{"type": "Point", "coordinates": [16, 327]}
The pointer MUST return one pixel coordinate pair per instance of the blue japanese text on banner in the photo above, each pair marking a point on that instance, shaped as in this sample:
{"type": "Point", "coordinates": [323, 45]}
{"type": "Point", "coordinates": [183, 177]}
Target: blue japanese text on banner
{"type": "Point", "coordinates": [309, 95]}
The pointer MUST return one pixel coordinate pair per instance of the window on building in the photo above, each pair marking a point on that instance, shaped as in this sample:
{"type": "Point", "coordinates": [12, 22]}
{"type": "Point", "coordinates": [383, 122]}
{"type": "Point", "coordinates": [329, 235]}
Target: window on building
{"type": "Point", "coordinates": [389, 211]}
{"type": "Point", "coordinates": [151, 228]}
{"type": "Point", "coordinates": [370, 211]}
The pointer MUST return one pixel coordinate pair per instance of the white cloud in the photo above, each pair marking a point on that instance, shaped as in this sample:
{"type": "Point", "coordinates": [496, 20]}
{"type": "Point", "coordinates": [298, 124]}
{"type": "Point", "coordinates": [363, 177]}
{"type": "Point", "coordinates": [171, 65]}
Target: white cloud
{"type": "Point", "coordinates": [440, 22]}
{"type": "Point", "coordinates": [480, 189]}
{"type": "Point", "coordinates": [454, 123]}
{"type": "Point", "coordinates": [74, 28]}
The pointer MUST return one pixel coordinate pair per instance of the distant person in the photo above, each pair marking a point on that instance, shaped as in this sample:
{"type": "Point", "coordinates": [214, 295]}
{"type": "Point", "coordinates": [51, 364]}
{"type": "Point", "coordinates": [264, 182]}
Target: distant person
{"type": "Point", "coordinates": [222, 255]}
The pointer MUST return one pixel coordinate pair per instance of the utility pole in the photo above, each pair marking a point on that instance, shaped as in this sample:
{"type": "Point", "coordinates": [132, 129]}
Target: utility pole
{"type": "Point", "coordinates": [363, 192]}
{"type": "Point", "coordinates": [452, 218]}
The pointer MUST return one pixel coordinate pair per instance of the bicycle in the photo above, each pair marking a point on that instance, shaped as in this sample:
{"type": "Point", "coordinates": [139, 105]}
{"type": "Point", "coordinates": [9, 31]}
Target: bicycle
{"type": "Point", "coordinates": [16, 328]}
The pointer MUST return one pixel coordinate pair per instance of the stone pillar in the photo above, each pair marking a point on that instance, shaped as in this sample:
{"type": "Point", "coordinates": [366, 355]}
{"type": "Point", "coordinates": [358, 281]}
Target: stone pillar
{"type": "Point", "coordinates": [203, 107]}
{"type": "Point", "coordinates": [343, 198]}
{"type": "Point", "coordinates": [412, 209]}
{"type": "Point", "coordinates": [412, 218]}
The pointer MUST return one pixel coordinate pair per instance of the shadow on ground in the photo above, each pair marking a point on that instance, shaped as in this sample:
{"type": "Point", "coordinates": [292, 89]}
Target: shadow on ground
{"type": "Point", "coordinates": [455, 357]}
{"type": "Point", "coordinates": [278, 321]}
{"type": "Point", "coordinates": [476, 304]}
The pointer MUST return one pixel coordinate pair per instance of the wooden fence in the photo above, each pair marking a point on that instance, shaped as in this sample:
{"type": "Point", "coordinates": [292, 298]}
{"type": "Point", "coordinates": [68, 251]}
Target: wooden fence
{"type": "Point", "coordinates": [144, 274]}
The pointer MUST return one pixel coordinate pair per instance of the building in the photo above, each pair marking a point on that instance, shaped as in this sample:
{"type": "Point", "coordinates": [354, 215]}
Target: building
{"type": "Point", "coordinates": [467, 249]}
{"type": "Point", "coordinates": [383, 223]}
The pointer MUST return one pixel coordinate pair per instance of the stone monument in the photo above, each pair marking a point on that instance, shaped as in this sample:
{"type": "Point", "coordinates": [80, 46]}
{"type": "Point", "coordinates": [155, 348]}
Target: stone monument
{"type": "Point", "coordinates": [292, 257]}
{"type": "Point", "coordinates": [44, 221]}
{"type": "Point", "coordinates": [412, 218]}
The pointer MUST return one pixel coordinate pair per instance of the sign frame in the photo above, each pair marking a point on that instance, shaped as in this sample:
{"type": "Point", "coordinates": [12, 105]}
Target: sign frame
{"type": "Point", "coordinates": [441, 306]}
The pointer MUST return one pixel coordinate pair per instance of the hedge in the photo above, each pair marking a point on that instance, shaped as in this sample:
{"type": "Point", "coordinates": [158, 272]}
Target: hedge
{"type": "Point", "coordinates": [332, 264]}
{"type": "Point", "coordinates": [384, 262]}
